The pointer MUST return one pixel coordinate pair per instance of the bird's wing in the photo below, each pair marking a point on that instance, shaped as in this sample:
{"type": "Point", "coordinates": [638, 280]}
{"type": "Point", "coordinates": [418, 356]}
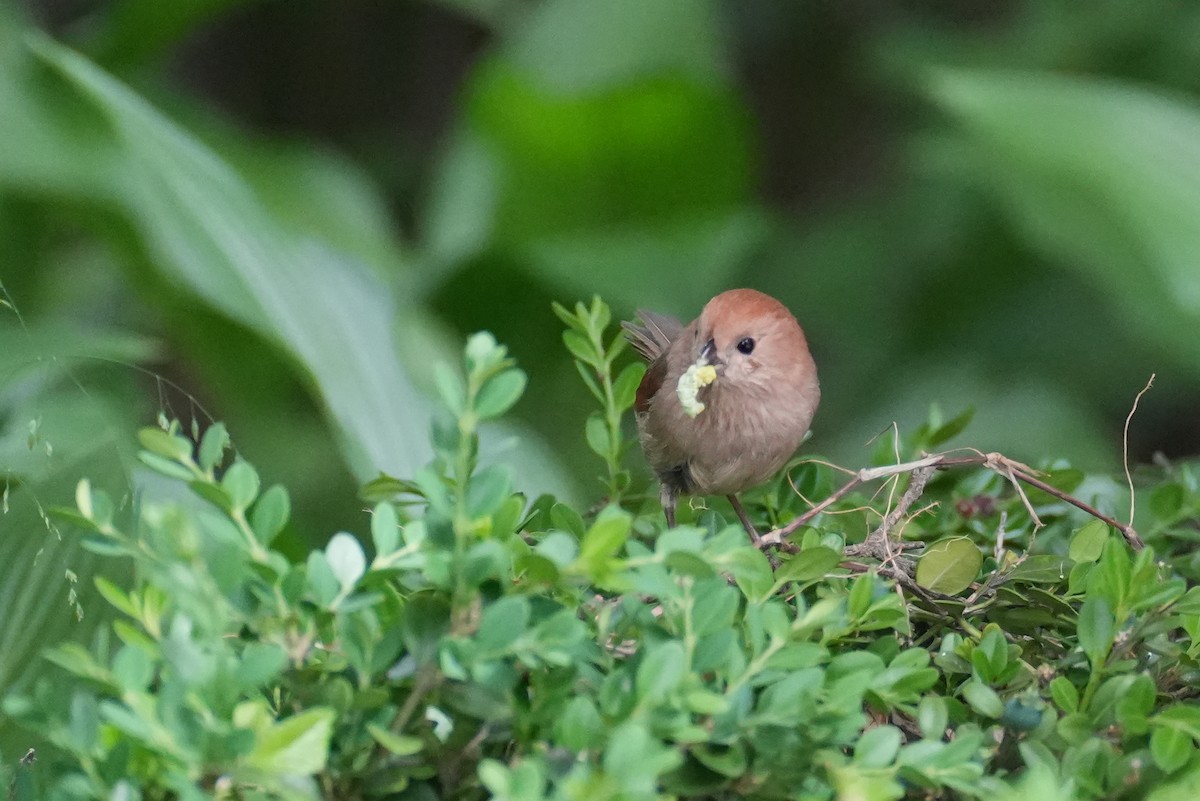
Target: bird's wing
{"type": "Point", "coordinates": [653, 335]}
{"type": "Point", "coordinates": [652, 381]}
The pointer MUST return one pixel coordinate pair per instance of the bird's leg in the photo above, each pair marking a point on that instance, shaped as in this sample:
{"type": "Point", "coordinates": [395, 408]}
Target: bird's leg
{"type": "Point", "coordinates": [745, 518]}
{"type": "Point", "coordinates": [668, 498]}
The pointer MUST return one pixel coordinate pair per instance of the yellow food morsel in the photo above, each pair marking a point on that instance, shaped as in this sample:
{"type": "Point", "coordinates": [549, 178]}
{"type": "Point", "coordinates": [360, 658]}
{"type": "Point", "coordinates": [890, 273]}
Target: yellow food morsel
{"type": "Point", "coordinates": [690, 383]}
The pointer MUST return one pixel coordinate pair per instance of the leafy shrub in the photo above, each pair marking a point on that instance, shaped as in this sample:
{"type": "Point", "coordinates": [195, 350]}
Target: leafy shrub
{"type": "Point", "coordinates": [490, 645]}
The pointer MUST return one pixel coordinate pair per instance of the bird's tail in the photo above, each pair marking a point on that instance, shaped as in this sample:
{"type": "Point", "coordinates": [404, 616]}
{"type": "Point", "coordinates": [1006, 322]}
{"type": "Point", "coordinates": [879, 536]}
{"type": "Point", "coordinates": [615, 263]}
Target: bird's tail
{"type": "Point", "coordinates": [654, 333]}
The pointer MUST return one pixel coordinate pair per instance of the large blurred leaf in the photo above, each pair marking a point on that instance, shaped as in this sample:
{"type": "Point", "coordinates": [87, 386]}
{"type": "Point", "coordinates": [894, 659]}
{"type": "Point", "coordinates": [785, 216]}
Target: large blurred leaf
{"type": "Point", "coordinates": [606, 147]}
{"type": "Point", "coordinates": [48, 145]}
{"type": "Point", "coordinates": [573, 48]}
{"type": "Point", "coordinates": [1103, 176]}
{"type": "Point", "coordinates": [208, 230]}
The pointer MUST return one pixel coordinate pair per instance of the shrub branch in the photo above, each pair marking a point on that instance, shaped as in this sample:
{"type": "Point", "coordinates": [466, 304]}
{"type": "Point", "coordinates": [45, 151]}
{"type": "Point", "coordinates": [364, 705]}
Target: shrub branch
{"type": "Point", "coordinates": [920, 471]}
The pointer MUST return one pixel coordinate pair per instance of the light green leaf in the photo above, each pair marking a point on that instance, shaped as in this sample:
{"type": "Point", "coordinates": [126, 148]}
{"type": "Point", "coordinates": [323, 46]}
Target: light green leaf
{"type": "Point", "coordinates": [606, 536]}
{"type": "Point", "coordinates": [949, 566]}
{"type": "Point", "coordinates": [626, 386]}
{"type": "Point", "coordinates": [1088, 542]}
{"type": "Point", "coordinates": [809, 564]}
{"type": "Point", "coordinates": [596, 433]}
{"type": "Point", "coordinates": [488, 489]}
{"type": "Point", "coordinates": [1065, 694]}
{"type": "Point", "coordinates": [213, 445]}
{"type": "Point", "coordinates": [1171, 749]}
{"type": "Point", "coordinates": [661, 671]}
{"type": "Point", "coordinates": [1107, 182]}
{"type": "Point", "coordinates": [241, 483]}
{"type": "Point", "coordinates": [398, 744]}
{"type": "Point", "coordinates": [983, 699]}
{"type": "Point", "coordinates": [270, 514]}
{"type": "Point", "coordinates": [499, 393]}
{"type": "Point", "coordinates": [1096, 629]}
{"type": "Point", "coordinates": [385, 531]}
{"type": "Point", "coordinates": [346, 559]}
{"type": "Point", "coordinates": [168, 446]}
{"type": "Point", "coordinates": [208, 231]}
{"type": "Point", "coordinates": [296, 746]}
{"type": "Point", "coordinates": [580, 726]}
{"type": "Point", "coordinates": [878, 746]}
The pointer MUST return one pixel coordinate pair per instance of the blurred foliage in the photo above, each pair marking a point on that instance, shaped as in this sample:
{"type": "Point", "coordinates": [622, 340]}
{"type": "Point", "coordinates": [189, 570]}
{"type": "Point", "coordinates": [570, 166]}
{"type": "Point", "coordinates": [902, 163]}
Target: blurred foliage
{"type": "Point", "coordinates": [491, 646]}
{"type": "Point", "coordinates": [282, 214]}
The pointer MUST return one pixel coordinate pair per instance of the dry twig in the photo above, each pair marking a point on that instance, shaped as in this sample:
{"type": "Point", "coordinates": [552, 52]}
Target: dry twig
{"type": "Point", "coordinates": [922, 469]}
{"type": "Point", "coordinates": [1125, 447]}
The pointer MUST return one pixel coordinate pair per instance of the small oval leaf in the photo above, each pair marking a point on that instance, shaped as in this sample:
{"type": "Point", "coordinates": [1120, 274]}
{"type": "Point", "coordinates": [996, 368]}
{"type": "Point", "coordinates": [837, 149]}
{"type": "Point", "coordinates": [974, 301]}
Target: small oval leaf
{"type": "Point", "coordinates": [949, 566]}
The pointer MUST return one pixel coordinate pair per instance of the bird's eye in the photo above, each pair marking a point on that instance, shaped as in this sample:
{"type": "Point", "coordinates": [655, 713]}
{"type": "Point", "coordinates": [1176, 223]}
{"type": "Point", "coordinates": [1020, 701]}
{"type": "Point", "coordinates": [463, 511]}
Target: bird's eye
{"type": "Point", "coordinates": [746, 345]}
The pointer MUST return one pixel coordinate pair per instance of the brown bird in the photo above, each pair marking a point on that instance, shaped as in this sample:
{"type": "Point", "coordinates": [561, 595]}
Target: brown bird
{"type": "Point", "coordinates": [726, 399]}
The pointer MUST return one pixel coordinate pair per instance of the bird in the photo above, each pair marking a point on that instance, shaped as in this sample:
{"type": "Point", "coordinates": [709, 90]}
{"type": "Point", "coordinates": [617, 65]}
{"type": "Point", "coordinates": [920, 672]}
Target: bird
{"type": "Point", "coordinates": [726, 400]}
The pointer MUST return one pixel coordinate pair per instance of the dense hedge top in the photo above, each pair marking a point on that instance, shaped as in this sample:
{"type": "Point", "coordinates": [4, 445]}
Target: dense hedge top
{"type": "Point", "coordinates": [928, 634]}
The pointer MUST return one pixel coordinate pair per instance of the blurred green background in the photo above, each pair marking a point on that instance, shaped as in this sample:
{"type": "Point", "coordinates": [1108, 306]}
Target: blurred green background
{"type": "Point", "coordinates": [281, 214]}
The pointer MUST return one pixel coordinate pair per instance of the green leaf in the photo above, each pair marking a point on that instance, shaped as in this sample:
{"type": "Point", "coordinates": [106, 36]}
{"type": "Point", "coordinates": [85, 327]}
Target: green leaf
{"type": "Point", "coordinates": [1087, 544]}
{"type": "Point", "coordinates": [752, 572]}
{"type": "Point", "coordinates": [1154, 594]}
{"type": "Point", "coordinates": [1112, 575]}
{"type": "Point", "coordinates": [260, 663]}
{"type": "Point", "coordinates": [503, 622]}
{"type": "Point", "coordinates": [450, 387]}
{"type": "Point", "coordinates": [240, 482]}
{"type": "Point", "coordinates": [168, 446]}
{"type": "Point", "coordinates": [1166, 501]}
{"type": "Point", "coordinates": [425, 621]}
{"type": "Point", "coordinates": [296, 746]}
{"type": "Point", "coordinates": [859, 599]}
{"type": "Point", "coordinates": [499, 393]}
{"type": "Point", "coordinates": [933, 715]}
{"type": "Point", "coordinates": [565, 518]}
{"type": "Point", "coordinates": [1135, 705]}
{"type": "Point", "coordinates": [596, 433]}
{"type": "Point", "coordinates": [878, 746]}
{"type": "Point", "coordinates": [626, 386]}
{"type": "Point", "coordinates": [1041, 569]}
{"type": "Point", "coordinates": [1131, 159]}
{"type": "Point", "coordinates": [401, 745]}
{"type": "Point", "coordinates": [983, 699]}
{"type": "Point", "coordinates": [115, 596]}
{"type": "Point", "coordinates": [212, 447]}
{"type": "Point", "coordinates": [1096, 628]}
{"type": "Point", "coordinates": [1171, 749]}
{"type": "Point", "coordinates": [579, 346]}
{"type": "Point", "coordinates": [385, 530]}
{"type": "Point", "coordinates": [488, 489]}
{"type": "Point", "coordinates": [320, 577]}
{"type": "Point", "coordinates": [128, 722]}
{"type": "Point", "coordinates": [580, 726]}
{"type": "Point", "coordinates": [320, 304]}
{"type": "Point", "coordinates": [132, 669]}
{"type": "Point", "coordinates": [1184, 717]}
{"type": "Point", "coordinates": [606, 536]}
{"type": "Point", "coordinates": [270, 514]}
{"type": "Point", "coordinates": [1065, 694]}
{"type": "Point", "coordinates": [949, 566]}
{"type": "Point", "coordinates": [950, 428]}
{"type": "Point", "coordinates": [77, 660]}
{"type": "Point", "coordinates": [808, 565]}
{"type": "Point", "coordinates": [346, 559]}
{"type": "Point", "coordinates": [661, 670]}
{"type": "Point", "coordinates": [728, 760]}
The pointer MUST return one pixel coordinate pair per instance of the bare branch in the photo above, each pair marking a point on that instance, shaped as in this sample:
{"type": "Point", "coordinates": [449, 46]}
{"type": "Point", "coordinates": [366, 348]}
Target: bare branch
{"type": "Point", "coordinates": [922, 470]}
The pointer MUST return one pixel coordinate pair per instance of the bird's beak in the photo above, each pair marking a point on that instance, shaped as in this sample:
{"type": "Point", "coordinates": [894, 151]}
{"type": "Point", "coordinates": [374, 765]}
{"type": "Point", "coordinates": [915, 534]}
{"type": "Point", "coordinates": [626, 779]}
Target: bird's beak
{"type": "Point", "coordinates": [708, 355]}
